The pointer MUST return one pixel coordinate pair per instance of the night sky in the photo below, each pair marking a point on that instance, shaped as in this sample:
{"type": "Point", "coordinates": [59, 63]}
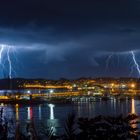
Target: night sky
{"type": "Point", "coordinates": [72, 38]}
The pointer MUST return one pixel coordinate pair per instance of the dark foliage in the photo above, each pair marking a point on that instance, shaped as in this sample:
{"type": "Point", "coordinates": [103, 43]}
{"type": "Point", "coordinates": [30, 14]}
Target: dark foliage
{"type": "Point", "coordinates": [108, 128]}
{"type": "Point", "coordinates": [97, 128]}
{"type": "Point", "coordinates": [70, 127]}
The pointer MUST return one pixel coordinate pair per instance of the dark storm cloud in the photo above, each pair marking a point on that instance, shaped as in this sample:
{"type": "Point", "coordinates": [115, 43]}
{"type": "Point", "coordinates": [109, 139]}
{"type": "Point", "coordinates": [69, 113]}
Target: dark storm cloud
{"type": "Point", "coordinates": [102, 40]}
{"type": "Point", "coordinates": [81, 22]}
{"type": "Point", "coordinates": [70, 34]}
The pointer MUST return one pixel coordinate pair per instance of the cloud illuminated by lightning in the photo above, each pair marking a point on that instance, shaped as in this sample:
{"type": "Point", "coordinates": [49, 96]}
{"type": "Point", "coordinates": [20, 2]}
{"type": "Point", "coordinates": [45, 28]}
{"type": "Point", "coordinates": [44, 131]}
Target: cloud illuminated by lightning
{"type": "Point", "coordinates": [108, 60]}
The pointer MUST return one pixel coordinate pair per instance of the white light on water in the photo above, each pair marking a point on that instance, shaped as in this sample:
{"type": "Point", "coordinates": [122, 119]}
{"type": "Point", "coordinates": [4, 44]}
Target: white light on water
{"type": "Point", "coordinates": [39, 112]}
{"type": "Point", "coordinates": [51, 111]}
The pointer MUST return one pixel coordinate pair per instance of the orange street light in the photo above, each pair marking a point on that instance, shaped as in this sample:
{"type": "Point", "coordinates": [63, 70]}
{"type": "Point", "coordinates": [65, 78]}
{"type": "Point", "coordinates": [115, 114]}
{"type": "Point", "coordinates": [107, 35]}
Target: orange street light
{"type": "Point", "coordinates": [133, 85]}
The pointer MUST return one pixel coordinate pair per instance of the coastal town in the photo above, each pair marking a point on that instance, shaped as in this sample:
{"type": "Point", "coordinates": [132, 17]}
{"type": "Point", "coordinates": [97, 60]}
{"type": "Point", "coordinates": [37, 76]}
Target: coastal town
{"type": "Point", "coordinates": [83, 87]}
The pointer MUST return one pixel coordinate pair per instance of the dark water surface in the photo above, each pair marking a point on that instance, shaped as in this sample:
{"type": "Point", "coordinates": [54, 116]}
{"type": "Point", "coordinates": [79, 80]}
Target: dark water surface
{"type": "Point", "coordinates": [49, 115]}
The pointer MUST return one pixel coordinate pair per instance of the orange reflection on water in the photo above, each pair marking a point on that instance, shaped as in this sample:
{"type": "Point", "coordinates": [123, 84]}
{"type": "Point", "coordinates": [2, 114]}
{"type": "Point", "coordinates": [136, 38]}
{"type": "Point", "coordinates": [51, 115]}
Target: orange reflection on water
{"type": "Point", "coordinates": [17, 112]}
{"type": "Point", "coordinates": [133, 110]}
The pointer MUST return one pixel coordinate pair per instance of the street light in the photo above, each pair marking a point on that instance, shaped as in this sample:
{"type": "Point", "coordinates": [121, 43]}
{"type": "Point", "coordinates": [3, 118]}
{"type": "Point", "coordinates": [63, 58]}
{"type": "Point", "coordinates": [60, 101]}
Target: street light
{"type": "Point", "coordinates": [112, 84]}
{"type": "Point", "coordinates": [28, 91]}
{"type": "Point", "coordinates": [51, 91]}
{"type": "Point", "coordinates": [133, 85]}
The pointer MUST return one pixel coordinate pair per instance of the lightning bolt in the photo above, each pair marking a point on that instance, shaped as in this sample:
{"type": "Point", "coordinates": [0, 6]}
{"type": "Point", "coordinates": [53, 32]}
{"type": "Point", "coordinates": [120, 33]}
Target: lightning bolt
{"type": "Point", "coordinates": [5, 59]}
{"type": "Point", "coordinates": [1, 51]}
{"type": "Point", "coordinates": [135, 62]}
{"type": "Point", "coordinates": [1, 57]}
{"type": "Point", "coordinates": [9, 62]}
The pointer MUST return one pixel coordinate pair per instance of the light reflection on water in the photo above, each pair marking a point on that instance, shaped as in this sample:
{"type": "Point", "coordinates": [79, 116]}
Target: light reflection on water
{"type": "Point", "coordinates": [54, 116]}
{"type": "Point", "coordinates": [133, 110]}
{"type": "Point", "coordinates": [111, 107]}
{"type": "Point", "coordinates": [17, 112]}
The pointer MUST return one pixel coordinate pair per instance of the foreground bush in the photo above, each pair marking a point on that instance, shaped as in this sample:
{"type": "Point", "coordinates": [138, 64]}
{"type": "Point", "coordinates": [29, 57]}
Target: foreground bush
{"type": "Point", "coordinates": [97, 128]}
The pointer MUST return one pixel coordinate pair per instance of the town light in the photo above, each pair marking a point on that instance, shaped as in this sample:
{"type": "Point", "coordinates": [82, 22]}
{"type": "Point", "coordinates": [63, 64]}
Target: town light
{"type": "Point", "coordinates": [28, 91]}
{"type": "Point", "coordinates": [51, 91]}
{"type": "Point", "coordinates": [112, 84]}
{"type": "Point", "coordinates": [133, 85]}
